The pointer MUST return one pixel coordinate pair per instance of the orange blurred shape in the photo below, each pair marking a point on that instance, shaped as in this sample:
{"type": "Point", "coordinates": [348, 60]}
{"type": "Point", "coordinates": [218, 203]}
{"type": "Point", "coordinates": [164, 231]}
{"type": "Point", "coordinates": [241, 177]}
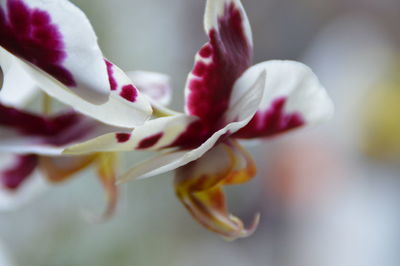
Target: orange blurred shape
{"type": "Point", "coordinates": [303, 172]}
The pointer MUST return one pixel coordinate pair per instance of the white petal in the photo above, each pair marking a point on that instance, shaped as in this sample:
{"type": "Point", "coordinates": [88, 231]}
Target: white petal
{"type": "Point", "coordinates": [162, 132]}
{"type": "Point", "coordinates": [117, 111]}
{"type": "Point", "coordinates": [56, 36]}
{"type": "Point", "coordinates": [153, 135]}
{"type": "Point", "coordinates": [31, 188]}
{"type": "Point", "coordinates": [244, 107]}
{"type": "Point", "coordinates": [21, 140]}
{"type": "Point", "coordinates": [156, 86]}
{"type": "Point", "coordinates": [220, 62]}
{"type": "Point", "coordinates": [171, 160]}
{"type": "Point", "coordinates": [217, 8]}
{"type": "Point", "coordinates": [18, 87]}
{"type": "Point", "coordinates": [241, 112]}
{"type": "Point", "coordinates": [293, 90]}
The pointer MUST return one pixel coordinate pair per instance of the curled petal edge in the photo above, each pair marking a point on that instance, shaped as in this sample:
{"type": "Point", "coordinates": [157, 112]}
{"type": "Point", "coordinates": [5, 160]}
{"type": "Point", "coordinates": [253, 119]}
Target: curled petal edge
{"type": "Point", "coordinates": [199, 184]}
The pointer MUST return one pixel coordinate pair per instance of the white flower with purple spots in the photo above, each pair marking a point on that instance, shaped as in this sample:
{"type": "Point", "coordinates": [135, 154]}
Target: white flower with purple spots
{"type": "Point", "coordinates": [227, 100]}
{"type": "Point", "coordinates": [55, 44]}
{"type": "Point", "coordinates": [27, 141]}
{"type": "Point", "coordinates": [31, 144]}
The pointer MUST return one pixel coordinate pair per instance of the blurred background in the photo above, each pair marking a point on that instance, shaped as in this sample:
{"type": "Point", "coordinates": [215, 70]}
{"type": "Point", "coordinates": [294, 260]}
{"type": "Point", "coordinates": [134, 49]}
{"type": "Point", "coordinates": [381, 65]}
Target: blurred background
{"type": "Point", "coordinates": [328, 196]}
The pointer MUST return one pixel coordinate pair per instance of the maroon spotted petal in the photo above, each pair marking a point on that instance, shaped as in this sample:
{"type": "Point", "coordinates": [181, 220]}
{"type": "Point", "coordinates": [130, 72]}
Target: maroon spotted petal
{"type": "Point", "coordinates": [14, 176]}
{"type": "Point", "coordinates": [271, 122]}
{"type": "Point", "coordinates": [56, 130]}
{"type": "Point", "coordinates": [218, 65]}
{"type": "Point", "coordinates": [30, 34]}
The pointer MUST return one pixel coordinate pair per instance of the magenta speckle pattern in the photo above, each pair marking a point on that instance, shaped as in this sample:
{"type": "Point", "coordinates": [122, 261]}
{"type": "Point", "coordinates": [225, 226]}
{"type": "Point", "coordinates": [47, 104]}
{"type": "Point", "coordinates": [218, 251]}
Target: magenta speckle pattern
{"type": "Point", "coordinates": [271, 122]}
{"type": "Point", "coordinates": [149, 141]}
{"type": "Point", "coordinates": [225, 57]}
{"type": "Point", "coordinates": [129, 92]}
{"type": "Point", "coordinates": [123, 137]}
{"type": "Point", "coordinates": [30, 34]}
{"type": "Point", "coordinates": [111, 78]}
{"type": "Point", "coordinates": [55, 130]}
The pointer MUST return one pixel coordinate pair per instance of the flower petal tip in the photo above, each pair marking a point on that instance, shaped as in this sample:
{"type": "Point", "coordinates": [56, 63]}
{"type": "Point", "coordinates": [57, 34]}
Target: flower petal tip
{"type": "Point", "coordinates": [124, 179]}
{"type": "Point", "coordinates": [243, 232]}
{"type": "Point", "coordinates": [112, 194]}
{"type": "Point", "coordinates": [128, 177]}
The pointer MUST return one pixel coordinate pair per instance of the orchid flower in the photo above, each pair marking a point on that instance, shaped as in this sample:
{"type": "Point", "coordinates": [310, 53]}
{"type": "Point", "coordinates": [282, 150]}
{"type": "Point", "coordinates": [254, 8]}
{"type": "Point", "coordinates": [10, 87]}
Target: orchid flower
{"type": "Point", "coordinates": [52, 46]}
{"type": "Point", "coordinates": [32, 142]}
{"type": "Point", "coordinates": [21, 174]}
{"type": "Point", "coordinates": [23, 189]}
{"type": "Point", "coordinates": [28, 139]}
{"type": "Point", "coordinates": [55, 44]}
{"type": "Point", "coordinates": [227, 100]}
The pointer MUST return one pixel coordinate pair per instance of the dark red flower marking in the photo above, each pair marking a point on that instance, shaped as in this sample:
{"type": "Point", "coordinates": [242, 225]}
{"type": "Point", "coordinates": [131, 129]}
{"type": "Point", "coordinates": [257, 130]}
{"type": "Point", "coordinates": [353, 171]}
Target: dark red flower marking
{"type": "Point", "coordinates": [194, 135]}
{"type": "Point", "coordinates": [206, 51]}
{"type": "Point", "coordinates": [149, 141]}
{"type": "Point", "coordinates": [30, 34]}
{"type": "Point", "coordinates": [111, 78]}
{"type": "Point", "coordinates": [226, 56]}
{"type": "Point", "coordinates": [123, 137]}
{"type": "Point", "coordinates": [230, 53]}
{"type": "Point", "coordinates": [271, 122]}
{"type": "Point", "coordinates": [129, 93]}
{"type": "Point", "coordinates": [13, 177]}
{"type": "Point", "coordinates": [56, 130]}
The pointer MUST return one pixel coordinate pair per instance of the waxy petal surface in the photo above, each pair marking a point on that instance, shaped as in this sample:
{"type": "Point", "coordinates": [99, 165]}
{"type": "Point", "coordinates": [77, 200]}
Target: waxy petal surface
{"type": "Point", "coordinates": [57, 38]}
{"type": "Point", "coordinates": [232, 11]}
{"type": "Point", "coordinates": [25, 132]}
{"type": "Point", "coordinates": [240, 113]}
{"type": "Point", "coordinates": [239, 110]}
{"type": "Point", "coordinates": [18, 88]}
{"type": "Point", "coordinates": [219, 62]}
{"type": "Point", "coordinates": [171, 160]}
{"type": "Point", "coordinates": [124, 108]}
{"type": "Point", "coordinates": [153, 135]}
{"type": "Point", "coordinates": [293, 97]}
{"type": "Point", "coordinates": [199, 187]}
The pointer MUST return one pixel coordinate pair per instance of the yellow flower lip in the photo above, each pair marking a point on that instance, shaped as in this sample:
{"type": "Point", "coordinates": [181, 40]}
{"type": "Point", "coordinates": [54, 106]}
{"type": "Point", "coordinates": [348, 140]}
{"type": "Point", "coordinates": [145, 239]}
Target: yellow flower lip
{"type": "Point", "coordinates": [199, 186]}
